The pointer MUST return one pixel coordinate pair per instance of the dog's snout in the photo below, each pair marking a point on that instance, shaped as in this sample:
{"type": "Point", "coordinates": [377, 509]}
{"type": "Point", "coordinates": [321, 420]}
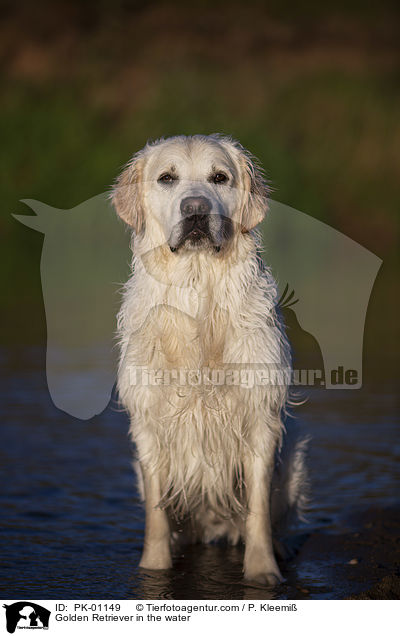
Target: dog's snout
{"type": "Point", "coordinates": [195, 206]}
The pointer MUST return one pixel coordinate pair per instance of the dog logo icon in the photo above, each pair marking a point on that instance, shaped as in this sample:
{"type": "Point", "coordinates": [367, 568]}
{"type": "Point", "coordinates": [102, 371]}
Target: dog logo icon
{"type": "Point", "coordinates": [26, 615]}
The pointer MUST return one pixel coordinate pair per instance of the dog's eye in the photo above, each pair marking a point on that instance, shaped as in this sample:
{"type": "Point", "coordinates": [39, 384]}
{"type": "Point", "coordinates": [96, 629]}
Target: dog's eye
{"type": "Point", "coordinates": [219, 177]}
{"type": "Point", "coordinates": [166, 178]}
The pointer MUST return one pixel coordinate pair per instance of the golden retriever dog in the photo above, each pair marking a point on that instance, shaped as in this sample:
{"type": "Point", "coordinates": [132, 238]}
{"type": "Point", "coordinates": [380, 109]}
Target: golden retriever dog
{"type": "Point", "coordinates": [205, 362]}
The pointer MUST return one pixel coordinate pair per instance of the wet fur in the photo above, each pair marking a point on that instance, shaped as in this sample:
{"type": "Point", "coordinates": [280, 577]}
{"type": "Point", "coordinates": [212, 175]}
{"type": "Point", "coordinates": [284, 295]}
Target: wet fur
{"type": "Point", "coordinates": [213, 460]}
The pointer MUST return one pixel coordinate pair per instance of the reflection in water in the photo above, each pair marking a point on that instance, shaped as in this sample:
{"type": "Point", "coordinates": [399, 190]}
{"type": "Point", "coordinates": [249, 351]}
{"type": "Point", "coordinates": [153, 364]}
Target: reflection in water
{"type": "Point", "coordinates": [72, 526]}
{"type": "Point", "coordinates": [200, 572]}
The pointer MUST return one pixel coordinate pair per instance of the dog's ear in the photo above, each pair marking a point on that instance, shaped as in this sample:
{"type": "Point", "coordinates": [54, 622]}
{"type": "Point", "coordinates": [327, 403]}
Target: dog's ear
{"type": "Point", "coordinates": [126, 194]}
{"type": "Point", "coordinates": [256, 191]}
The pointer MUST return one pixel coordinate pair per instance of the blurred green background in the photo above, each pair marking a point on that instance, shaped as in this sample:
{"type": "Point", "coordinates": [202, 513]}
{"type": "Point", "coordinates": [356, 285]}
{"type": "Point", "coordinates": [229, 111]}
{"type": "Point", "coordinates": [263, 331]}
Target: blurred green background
{"type": "Point", "coordinates": [312, 89]}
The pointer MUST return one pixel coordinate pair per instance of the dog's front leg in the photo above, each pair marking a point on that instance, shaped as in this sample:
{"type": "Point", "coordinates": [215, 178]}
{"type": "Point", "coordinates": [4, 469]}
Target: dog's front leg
{"type": "Point", "coordinates": [259, 560]}
{"type": "Point", "coordinates": [156, 551]}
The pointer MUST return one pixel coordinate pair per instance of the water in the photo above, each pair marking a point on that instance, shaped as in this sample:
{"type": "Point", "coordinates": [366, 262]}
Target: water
{"type": "Point", "coordinates": [72, 524]}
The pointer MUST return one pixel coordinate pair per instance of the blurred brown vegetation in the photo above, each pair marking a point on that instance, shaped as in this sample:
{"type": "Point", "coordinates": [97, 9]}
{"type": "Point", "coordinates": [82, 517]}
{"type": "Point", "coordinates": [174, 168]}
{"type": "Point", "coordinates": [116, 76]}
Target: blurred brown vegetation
{"type": "Point", "coordinates": [312, 89]}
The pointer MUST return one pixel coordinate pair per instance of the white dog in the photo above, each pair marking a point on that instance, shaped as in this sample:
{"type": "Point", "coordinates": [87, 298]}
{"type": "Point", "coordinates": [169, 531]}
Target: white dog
{"type": "Point", "coordinates": [204, 359]}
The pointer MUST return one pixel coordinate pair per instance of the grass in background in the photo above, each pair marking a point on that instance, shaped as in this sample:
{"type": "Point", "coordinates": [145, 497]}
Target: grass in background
{"type": "Point", "coordinates": [316, 100]}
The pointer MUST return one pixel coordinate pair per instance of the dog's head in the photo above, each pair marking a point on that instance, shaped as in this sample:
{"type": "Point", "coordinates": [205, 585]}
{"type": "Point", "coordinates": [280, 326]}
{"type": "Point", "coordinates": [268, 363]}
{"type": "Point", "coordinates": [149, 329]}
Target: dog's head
{"type": "Point", "coordinates": [191, 192]}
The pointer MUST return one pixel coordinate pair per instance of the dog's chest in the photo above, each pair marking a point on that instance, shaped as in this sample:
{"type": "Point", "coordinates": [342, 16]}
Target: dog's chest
{"type": "Point", "coordinates": [185, 326]}
{"type": "Point", "coordinates": [177, 339]}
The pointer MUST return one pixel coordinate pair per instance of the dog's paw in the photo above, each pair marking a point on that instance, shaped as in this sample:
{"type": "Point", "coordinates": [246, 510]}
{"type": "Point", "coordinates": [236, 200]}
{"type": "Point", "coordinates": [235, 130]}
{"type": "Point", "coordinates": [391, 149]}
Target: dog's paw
{"type": "Point", "coordinates": [156, 560]}
{"type": "Point", "coordinates": [262, 569]}
{"type": "Point", "coordinates": [265, 578]}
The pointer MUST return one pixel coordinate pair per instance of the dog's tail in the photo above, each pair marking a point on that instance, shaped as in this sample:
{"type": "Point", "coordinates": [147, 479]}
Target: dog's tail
{"type": "Point", "coordinates": [290, 485]}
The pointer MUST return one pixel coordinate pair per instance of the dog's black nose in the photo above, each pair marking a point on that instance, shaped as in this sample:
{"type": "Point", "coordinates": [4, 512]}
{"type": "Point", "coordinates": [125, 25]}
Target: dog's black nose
{"type": "Point", "coordinates": [191, 206]}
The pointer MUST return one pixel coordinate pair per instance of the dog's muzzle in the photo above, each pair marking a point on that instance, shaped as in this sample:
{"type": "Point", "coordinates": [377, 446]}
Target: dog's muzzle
{"type": "Point", "coordinates": [196, 227]}
{"type": "Point", "coordinates": [195, 223]}
{"type": "Point", "coordinates": [195, 212]}
{"type": "Point", "coordinates": [199, 226]}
